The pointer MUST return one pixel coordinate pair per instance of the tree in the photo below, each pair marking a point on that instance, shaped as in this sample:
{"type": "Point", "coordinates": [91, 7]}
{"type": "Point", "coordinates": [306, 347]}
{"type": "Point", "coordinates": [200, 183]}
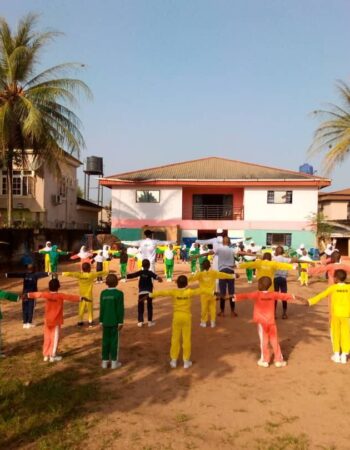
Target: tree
{"type": "Point", "coordinates": [35, 107]}
{"type": "Point", "coordinates": [322, 229]}
{"type": "Point", "coordinates": [333, 135]}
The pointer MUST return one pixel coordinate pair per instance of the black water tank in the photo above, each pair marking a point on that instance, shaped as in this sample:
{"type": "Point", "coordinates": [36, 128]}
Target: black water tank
{"type": "Point", "coordinates": [94, 165]}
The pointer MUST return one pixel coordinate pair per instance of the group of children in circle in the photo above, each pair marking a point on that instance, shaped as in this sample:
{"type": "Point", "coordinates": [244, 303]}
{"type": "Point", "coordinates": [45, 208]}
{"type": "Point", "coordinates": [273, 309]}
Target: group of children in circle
{"type": "Point", "coordinates": [271, 273]}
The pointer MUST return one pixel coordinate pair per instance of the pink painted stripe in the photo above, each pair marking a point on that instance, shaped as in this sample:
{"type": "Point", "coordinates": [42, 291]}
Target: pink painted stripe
{"type": "Point", "coordinates": [214, 224]}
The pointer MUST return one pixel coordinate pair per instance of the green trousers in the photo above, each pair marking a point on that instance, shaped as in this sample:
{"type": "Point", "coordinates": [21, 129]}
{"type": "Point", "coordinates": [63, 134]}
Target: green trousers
{"type": "Point", "coordinates": [250, 273]}
{"type": "Point", "coordinates": [123, 269]}
{"type": "Point", "coordinates": [193, 265]}
{"type": "Point", "coordinates": [110, 343]}
{"type": "Point", "coordinates": [169, 270]}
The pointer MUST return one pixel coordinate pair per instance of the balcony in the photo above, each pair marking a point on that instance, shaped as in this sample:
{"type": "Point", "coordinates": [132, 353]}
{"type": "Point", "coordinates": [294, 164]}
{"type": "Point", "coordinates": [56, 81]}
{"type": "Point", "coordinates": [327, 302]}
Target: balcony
{"type": "Point", "coordinates": [216, 212]}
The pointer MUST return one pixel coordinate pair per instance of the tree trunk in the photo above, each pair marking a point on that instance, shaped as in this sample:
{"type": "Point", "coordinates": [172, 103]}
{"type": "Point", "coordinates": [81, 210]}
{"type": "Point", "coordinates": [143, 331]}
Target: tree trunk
{"type": "Point", "coordinates": [9, 176]}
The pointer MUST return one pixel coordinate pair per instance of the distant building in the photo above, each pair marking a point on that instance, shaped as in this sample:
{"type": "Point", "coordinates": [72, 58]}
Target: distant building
{"type": "Point", "coordinates": [42, 199]}
{"type": "Point", "coordinates": [192, 199]}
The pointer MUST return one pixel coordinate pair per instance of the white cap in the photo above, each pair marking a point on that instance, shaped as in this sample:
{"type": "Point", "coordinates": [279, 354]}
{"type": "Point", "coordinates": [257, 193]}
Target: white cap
{"type": "Point", "coordinates": [302, 246]}
{"type": "Point", "coordinates": [219, 231]}
{"type": "Point", "coordinates": [252, 242]}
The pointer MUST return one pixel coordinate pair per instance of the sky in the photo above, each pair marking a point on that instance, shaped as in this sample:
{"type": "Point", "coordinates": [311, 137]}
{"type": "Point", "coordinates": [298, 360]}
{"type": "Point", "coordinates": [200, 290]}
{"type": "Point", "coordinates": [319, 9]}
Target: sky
{"type": "Point", "coordinates": [175, 80]}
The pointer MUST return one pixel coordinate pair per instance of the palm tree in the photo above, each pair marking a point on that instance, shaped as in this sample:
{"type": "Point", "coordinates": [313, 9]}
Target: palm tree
{"type": "Point", "coordinates": [333, 135]}
{"type": "Point", "coordinates": [35, 107]}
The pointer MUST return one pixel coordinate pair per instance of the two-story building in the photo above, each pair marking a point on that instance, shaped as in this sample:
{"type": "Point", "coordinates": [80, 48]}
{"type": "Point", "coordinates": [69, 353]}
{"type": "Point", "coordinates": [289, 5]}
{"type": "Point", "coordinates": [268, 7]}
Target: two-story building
{"type": "Point", "coordinates": [40, 198]}
{"type": "Point", "coordinates": [194, 198]}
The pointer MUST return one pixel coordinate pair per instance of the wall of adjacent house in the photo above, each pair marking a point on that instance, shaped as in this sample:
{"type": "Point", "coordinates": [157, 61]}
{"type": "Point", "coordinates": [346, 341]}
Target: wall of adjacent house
{"type": "Point", "coordinates": [335, 210]}
{"type": "Point", "coordinates": [256, 208]}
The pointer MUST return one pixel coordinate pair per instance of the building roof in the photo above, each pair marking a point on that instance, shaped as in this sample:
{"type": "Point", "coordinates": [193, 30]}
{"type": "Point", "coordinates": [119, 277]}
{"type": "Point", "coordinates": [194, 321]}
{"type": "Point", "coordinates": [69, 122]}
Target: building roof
{"type": "Point", "coordinates": [87, 203]}
{"type": "Point", "coordinates": [211, 169]}
{"type": "Point", "coordinates": [343, 194]}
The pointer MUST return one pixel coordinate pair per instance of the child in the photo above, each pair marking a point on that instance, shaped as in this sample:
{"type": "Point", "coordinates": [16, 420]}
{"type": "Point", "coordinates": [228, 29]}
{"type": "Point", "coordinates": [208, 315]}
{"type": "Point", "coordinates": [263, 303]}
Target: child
{"type": "Point", "coordinates": [99, 259]}
{"type": "Point", "coordinates": [132, 252]}
{"type": "Point", "coordinates": [340, 315]}
{"type": "Point", "coordinates": [106, 252]}
{"type": "Point", "coordinates": [249, 257]}
{"type": "Point", "coordinates": [182, 319]}
{"type": "Point", "coordinates": [145, 289]}
{"type": "Point", "coordinates": [30, 284]}
{"type": "Point", "coordinates": [45, 251]}
{"type": "Point", "coordinates": [83, 255]}
{"type": "Point", "coordinates": [207, 280]}
{"type": "Point", "coordinates": [304, 261]}
{"type": "Point", "coordinates": [86, 282]}
{"type": "Point", "coordinates": [111, 319]}
{"type": "Point", "coordinates": [123, 263]}
{"type": "Point", "coordinates": [329, 269]}
{"type": "Point", "coordinates": [11, 297]}
{"type": "Point", "coordinates": [54, 255]}
{"type": "Point", "coordinates": [53, 317]}
{"type": "Point", "coordinates": [280, 278]}
{"type": "Point", "coordinates": [194, 253]}
{"type": "Point", "coordinates": [169, 254]}
{"type": "Point", "coordinates": [264, 317]}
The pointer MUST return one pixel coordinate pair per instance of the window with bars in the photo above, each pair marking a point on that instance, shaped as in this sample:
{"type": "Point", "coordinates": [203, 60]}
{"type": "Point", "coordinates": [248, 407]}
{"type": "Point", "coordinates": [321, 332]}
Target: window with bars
{"type": "Point", "coordinates": [279, 197]}
{"type": "Point", "coordinates": [22, 183]}
{"type": "Point", "coordinates": [279, 239]}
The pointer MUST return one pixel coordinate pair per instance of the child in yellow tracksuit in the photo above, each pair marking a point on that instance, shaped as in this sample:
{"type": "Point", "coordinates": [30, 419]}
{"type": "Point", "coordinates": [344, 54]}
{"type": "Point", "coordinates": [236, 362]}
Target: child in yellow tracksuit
{"type": "Point", "coordinates": [182, 318]}
{"type": "Point", "coordinates": [207, 280]}
{"type": "Point", "coordinates": [86, 282]}
{"type": "Point", "coordinates": [340, 315]}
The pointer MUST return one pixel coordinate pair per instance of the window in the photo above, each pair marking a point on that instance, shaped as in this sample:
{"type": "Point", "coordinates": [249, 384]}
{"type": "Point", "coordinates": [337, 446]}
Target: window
{"type": "Point", "coordinates": [279, 239]}
{"type": "Point", "coordinates": [147, 196]}
{"type": "Point", "coordinates": [279, 197]}
{"type": "Point", "coordinates": [22, 183]}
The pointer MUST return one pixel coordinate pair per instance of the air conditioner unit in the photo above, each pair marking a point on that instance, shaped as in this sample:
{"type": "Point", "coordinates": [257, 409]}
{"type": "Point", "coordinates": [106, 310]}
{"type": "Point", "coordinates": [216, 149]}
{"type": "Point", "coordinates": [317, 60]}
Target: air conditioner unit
{"type": "Point", "coordinates": [57, 199]}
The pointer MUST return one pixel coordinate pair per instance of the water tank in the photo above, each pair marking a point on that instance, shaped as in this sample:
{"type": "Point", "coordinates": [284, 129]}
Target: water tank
{"type": "Point", "coordinates": [306, 168]}
{"type": "Point", "coordinates": [94, 165]}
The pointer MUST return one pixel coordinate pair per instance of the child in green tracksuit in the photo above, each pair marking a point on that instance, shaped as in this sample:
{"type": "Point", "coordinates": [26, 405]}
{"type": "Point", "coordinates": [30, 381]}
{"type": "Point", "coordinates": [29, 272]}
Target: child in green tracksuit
{"type": "Point", "coordinates": [194, 253]}
{"type": "Point", "coordinates": [12, 298]}
{"type": "Point", "coordinates": [169, 255]}
{"type": "Point", "coordinates": [111, 319]}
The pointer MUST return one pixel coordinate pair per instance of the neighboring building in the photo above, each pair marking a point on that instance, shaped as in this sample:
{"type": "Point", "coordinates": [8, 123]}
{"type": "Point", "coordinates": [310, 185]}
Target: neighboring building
{"type": "Point", "coordinates": [194, 198]}
{"type": "Point", "coordinates": [42, 199]}
{"type": "Point", "coordinates": [335, 207]}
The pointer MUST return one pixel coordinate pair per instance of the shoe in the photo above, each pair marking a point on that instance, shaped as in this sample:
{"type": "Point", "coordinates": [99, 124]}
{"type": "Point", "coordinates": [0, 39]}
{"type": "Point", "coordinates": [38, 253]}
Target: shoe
{"type": "Point", "coordinates": [173, 363]}
{"type": "Point", "coordinates": [280, 364]}
{"type": "Point", "coordinates": [284, 316]}
{"type": "Point", "coordinates": [104, 364]}
{"type": "Point", "coordinates": [91, 324]}
{"type": "Point", "coordinates": [151, 323]}
{"type": "Point", "coordinates": [115, 364]}
{"type": "Point", "coordinates": [212, 324]}
{"type": "Point", "coordinates": [203, 324]}
{"type": "Point", "coordinates": [25, 325]}
{"type": "Point", "coordinates": [55, 359]}
{"type": "Point", "coordinates": [140, 324]}
{"type": "Point", "coordinates": [187, 364]}
{"type": "Point", "coordinates": [124, 280]}
{"type": "Point", "coordinates": [335, 358]}
{"type": "Point", "coordinates": [31, 325]}
{"type": "Point", "coordinates": [343, 358]}
{"type": "Point", "coordinates": [168, 280]}
{"type": "Point", "coordinates": [250, 282]}
{"type": "Point", "coordinates": [262, 363]}
{"type": "Point", "coordinates": [46, 358]}
{"type": "Point", "coordinates": [80, 324]}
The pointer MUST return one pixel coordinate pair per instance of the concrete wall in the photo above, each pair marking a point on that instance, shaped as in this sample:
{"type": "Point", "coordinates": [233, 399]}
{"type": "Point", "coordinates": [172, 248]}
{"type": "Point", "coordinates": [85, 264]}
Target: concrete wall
{"type": "Point", "coordinates": [335, 210]}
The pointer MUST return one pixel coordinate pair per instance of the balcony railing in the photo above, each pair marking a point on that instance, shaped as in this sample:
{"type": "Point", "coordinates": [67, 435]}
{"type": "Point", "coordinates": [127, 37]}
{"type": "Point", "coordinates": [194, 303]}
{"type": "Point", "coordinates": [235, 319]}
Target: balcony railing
{"type": "Point", "coordinates": [216, 212]}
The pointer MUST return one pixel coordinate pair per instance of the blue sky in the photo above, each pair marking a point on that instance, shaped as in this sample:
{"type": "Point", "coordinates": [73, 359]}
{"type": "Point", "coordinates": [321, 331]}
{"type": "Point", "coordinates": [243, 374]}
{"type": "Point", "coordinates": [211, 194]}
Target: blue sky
{"type": "Point", "coordinates": [181, 79]}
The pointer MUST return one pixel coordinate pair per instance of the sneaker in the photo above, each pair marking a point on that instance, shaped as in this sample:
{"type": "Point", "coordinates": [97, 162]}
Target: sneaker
{"type": "Point", "coordinates": [173, 363]}
{"type": "Point", "coordinates": [168, 280]}
{"type": "Point", "coordinates": [280, 364]}
{"type": "Point", "coordinates": [343, 358]}
{"type": "Point", "coordinates": [335, 358]}
{"type": "Point", "coordinates": [31, 325]}
{"type": "Point", "coordinates": [203, 324]}
{"type": "Point", "coordinates": [284, 316]}
{"type": "Point", "coordinates": [80, 324]}
{"type": "Point", "coordinates": [250, 282]}
{"type": "Point", "coordinates": [46, 358]}
{"type": "Point", "coordinates": [212, 324]}
{"type": "Point", "coordinates": [115, 364]}
{"type": "Point", "coordinates": [25, 325]}
{"type": "Point", "coordinates": [151, 323]}
{"type": "Point", "coordinates": [187, 364]}
{"type": "Point", "coordinates": [55, 359]}
{"type": "Point", "coordinates": [104, 364]}
{"type": "Point", "coordinates": [262, 363]}
{"type": "Point", "coordinates": [140, 324]}
{"type": "Point", "coordinates": [124, 280]}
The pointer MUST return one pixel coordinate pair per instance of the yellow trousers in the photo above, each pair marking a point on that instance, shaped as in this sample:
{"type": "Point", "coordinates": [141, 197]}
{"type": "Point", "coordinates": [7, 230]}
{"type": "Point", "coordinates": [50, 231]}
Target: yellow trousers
{"type": "Point", "coordinates": [181, 328]}
{"type": "Point", "coordinates": [304, 278]}
{"type": "Point", "coordinates": [208, 308]}
{"type": "Point", "coordinates": [106, 266]}
{"type": "Point", "coordinates": [340, 334]}
{"type": "Point", "coordinates": [47, 263]}
{"type": "Point", "coordinates": [83, 306]}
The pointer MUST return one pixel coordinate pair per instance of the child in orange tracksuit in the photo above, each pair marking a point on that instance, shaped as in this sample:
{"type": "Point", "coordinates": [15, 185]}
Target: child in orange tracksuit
{"type": "Point", "coordinates": [53, 317]}
{"type": "Point", "coordinates": [264, 317]}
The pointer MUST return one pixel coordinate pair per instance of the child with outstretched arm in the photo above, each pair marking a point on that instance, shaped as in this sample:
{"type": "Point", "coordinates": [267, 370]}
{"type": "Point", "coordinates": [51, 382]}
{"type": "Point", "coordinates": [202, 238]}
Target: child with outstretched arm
{"type": "Point", "coordinates": [182, 318]}
{"type": "Point", "coordinates": [86, 280]}
{"type": "Point", "coordinates": [53, 317]}
{"type": "Point", "coordinates": [111, 319]}
{"type": "Point", "coordinates": [340, 315]}
{"type": "Point", "coordinates": [11, 297]}
{"type": "Point", "coordinates": [54, 256]}
{"type": "Point", "coordinates": [264, 317]}
{"type": "Point", "coordinates": [146, 277]}
{"type": "Point", "coordinates": [207, 280]}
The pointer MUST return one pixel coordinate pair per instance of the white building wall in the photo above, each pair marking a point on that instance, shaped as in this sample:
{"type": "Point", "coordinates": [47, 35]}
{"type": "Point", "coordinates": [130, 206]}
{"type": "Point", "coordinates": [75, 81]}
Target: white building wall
{"type": "Point", "coordinates": [124, 205]}
{"type": "Point", "coordinates": [305, 202]}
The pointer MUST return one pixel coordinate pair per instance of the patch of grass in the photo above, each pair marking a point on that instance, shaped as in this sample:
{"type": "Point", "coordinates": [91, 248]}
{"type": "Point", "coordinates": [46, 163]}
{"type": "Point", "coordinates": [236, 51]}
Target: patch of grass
{"type": "Point", "coordinates": [285, 442]}
{"type": "Point", "coordinates": [182, 418]}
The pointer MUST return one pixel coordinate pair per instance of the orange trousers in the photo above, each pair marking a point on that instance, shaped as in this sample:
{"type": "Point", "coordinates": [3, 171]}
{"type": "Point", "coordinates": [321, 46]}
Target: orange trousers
{"type": "Point", "coordinates": [51, 338]}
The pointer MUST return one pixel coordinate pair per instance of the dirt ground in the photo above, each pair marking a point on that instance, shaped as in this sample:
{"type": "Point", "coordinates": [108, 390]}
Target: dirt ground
{"type": "Point", "coordinates": [224, 401]}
